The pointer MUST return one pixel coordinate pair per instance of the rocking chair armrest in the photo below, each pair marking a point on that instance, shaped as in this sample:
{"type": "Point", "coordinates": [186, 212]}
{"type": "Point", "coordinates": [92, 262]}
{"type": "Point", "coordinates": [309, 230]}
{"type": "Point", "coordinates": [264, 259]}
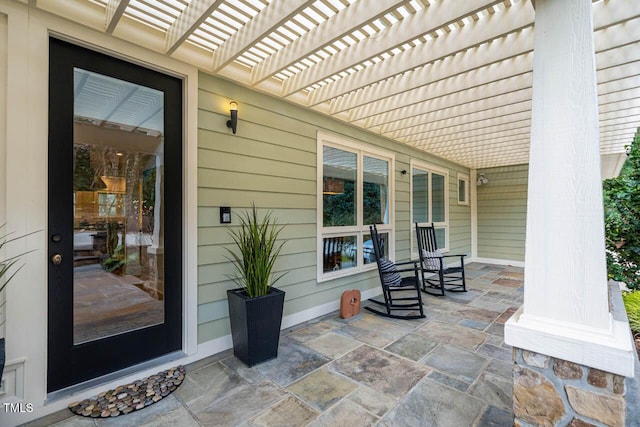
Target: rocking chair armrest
{"type": "Point", "coordinates": [453, 255]}
{"type": "Point", "coordinates": [404, 270]}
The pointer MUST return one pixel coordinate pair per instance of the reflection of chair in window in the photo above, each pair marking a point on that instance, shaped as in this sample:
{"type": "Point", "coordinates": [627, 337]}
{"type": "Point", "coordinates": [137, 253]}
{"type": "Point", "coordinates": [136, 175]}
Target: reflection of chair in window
{"type": "Point", "coordinates": [393, 282]}
{"type": "Point", "coordinates": [333, 253]}
{"type": "Point", "coordinates": [432, 261]}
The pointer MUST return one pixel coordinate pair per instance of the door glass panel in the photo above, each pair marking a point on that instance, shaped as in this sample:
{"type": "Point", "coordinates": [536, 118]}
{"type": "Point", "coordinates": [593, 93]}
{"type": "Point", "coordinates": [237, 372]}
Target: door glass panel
{"type": "Point", "coordinates": [420, 193]}
{"type": "Point", "coordinates": [118, 267]}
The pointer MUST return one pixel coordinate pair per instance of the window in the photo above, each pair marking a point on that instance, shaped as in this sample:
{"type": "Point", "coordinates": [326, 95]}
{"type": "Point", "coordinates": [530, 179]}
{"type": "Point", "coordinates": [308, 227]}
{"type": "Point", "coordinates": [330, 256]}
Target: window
{"type": "Point", "coordinates": [463, 189]}
{"type": "Point", "coordinates": [354, 191]}
{"type": "Point", "coordinates": [429, 203]}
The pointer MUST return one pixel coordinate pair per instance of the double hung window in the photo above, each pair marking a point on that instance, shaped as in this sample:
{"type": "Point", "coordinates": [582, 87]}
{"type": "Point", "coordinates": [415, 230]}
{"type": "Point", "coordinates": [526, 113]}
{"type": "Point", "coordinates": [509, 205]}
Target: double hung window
{"type": "Point", "coordinates": [429, 201]}
{"type": "Point", "coordinates": [354, 191]}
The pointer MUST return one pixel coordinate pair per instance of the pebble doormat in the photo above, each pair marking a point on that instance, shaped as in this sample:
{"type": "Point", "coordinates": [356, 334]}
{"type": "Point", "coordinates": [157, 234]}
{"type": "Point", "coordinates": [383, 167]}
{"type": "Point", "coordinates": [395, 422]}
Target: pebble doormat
{"type": "Point", "coordinates": [131, 397]}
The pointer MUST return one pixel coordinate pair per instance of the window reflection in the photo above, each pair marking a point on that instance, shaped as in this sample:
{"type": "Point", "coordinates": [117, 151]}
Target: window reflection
{"type": "Point", "coordinates": [375, 191]}
{"type": "Point", "coordinates": [339, 253]}
{"type": "Point", "coordinates": [339, 187]}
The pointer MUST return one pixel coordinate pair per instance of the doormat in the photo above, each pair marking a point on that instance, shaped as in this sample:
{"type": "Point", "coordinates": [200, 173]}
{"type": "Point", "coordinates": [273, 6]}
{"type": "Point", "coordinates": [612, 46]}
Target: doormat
{"type": "Point", "coordinates": [125, 399]}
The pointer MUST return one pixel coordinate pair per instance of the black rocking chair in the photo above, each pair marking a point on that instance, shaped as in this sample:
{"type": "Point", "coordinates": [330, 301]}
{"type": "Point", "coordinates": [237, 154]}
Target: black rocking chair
{"type": "Point", "coordinates": [432, 261]}
{"type": "Point", "coordinates": [392, 282]}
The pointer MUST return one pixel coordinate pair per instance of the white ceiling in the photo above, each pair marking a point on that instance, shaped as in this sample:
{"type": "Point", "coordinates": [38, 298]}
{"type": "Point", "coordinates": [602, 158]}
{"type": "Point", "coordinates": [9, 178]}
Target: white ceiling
{"type": "Point", "coordinates": [452, 78]}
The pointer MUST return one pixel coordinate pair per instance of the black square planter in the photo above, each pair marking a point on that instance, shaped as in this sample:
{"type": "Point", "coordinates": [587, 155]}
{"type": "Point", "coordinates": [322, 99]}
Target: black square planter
{"type": "Point", "coordinates": [255, 325]}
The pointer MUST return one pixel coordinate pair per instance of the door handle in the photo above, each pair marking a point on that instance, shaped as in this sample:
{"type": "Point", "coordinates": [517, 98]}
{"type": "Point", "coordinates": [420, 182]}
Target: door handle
{"type": "Point", "coordinates": [56, 259]}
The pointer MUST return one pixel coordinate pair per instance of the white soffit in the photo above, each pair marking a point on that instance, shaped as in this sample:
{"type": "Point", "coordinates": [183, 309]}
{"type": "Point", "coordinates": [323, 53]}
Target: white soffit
{"type": "Point", "coordinates": [450, 78]}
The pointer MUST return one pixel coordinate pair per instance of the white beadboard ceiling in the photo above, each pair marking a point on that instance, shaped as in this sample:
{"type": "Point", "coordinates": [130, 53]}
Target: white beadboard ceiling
{"type": "Point", "coordinates": [452, 78]}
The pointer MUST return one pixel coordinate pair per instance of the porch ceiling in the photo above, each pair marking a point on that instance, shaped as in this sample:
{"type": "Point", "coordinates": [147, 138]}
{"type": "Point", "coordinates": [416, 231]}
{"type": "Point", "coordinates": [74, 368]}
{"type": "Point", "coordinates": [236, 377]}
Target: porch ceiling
{"type": "Point", "coordinates": [450, 78]}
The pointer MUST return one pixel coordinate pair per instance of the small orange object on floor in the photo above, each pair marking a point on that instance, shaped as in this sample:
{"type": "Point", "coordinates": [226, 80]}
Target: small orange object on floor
{"type": "Point", "coordinates": [349, 303]}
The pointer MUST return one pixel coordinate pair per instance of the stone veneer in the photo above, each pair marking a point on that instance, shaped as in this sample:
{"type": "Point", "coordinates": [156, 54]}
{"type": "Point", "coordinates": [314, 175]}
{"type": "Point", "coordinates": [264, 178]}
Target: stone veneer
{"type": "Point", "coordinates": [554, 392]}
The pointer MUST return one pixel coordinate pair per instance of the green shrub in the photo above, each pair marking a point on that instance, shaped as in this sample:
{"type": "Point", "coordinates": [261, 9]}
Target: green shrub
{"type": "Point", "coordinates": [622, 220]}
{"type": "Point", "coordinates": [632, 305]}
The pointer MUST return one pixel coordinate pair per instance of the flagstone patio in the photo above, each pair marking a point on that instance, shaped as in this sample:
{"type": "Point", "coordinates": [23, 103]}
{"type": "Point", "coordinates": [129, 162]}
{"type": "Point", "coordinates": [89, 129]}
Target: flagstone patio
{"type": "Point", "coordinates": [450, 369]}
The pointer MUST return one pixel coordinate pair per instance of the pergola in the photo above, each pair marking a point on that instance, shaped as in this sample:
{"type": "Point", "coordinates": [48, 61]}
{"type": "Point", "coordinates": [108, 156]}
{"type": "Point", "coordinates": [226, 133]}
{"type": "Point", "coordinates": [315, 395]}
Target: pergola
{"type": "Point", "coordinates": [482, 83]}
{"type": "Point", "coordinates": [452, 80]}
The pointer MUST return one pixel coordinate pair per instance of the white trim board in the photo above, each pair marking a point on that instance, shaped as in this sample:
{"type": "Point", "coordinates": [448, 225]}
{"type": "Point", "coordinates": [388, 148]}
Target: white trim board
{"type": "Point", "coordinates": [495, 261]}
{"type": "Point", "coordinates": [609, 351]}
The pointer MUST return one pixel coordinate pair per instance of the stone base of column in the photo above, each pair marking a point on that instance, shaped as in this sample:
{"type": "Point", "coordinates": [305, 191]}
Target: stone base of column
{"type": "Point", "coordinates": [553, 392]}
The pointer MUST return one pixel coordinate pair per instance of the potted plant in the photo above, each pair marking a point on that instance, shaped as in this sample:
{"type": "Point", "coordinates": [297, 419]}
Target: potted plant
{"type": "Point", "coordinates": [7, 272]}
{"type": "Point", "coordinates": [255, 308]}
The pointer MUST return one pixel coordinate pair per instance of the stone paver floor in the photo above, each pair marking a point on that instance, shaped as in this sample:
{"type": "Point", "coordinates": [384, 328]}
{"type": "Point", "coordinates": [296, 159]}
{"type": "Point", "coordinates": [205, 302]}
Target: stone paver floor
{"type": "Point", "coordinates": [450, 369]}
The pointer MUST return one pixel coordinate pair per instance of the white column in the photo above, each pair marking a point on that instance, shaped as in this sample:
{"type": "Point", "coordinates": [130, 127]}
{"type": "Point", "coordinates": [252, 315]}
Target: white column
{"type": "Point", "coordinates": [473, 200]}
{"type": "Point", "coordinates": [566, 308]}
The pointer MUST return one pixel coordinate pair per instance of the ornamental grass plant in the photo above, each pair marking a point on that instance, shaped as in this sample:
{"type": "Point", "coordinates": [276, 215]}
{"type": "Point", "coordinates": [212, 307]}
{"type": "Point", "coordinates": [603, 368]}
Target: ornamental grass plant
{"type": "Point", "coordinates": [257, 249]}
{"type": "Point", "coordinates": [7, 270]}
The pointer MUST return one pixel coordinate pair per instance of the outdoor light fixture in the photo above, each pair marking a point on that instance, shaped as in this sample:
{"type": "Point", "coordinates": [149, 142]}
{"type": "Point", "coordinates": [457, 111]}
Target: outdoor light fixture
{"type": "Point", "coordinates": [233, 113]}
{"type": "Point", "coordinates": [482, 180]}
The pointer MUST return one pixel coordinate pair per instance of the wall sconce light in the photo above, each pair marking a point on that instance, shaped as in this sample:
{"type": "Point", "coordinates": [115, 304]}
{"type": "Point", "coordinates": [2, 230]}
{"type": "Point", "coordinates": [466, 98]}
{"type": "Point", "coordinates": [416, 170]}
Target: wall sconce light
{"type": "Point", "coordinates": [482, 180]}
{"type": "Point", "coordinates": [233, 113]}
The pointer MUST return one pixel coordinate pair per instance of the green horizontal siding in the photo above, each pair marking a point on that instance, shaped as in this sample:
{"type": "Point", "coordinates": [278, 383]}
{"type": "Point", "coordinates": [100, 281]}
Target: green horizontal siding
{"type": "Point", "coordinates": [271, 161]}
{"type": "Point", "coordinates": [502, 213]}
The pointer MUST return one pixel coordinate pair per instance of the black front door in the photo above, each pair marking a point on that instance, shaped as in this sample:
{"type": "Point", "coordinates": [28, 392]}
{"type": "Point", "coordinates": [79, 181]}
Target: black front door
{"type": "Point", "coordinates": [115, 215]}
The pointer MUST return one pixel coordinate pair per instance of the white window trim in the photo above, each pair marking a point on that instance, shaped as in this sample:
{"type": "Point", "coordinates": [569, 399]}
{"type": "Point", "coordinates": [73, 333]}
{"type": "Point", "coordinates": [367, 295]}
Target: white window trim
{"type": "Point", "coordinates": [361, 149]}
{"type": "Point", "coordinates": [463, 177]}
{"type": "Point", "coordinates": [429, 167]}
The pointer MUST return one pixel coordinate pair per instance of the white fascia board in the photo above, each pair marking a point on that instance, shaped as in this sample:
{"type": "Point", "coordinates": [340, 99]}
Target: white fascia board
{"type": "Point", "coordinates": [609, 350]}
{"type": "Point", "coordinates": [486, 56]}
{"type": "Point", "coordinates": [265, 22]}
{"type": "Point", "coordinates": [423, 22]}
{"type": "Point", "coordinates": [611, 164]}
{"type": "Point", "coordinates": [337, 26]}
{"type": "Point", "coordinates": [115, 10]}
{"type": "Point", "coordinates": [191, 17]}
{"type": "Point", "coordinates": [492, 27]}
